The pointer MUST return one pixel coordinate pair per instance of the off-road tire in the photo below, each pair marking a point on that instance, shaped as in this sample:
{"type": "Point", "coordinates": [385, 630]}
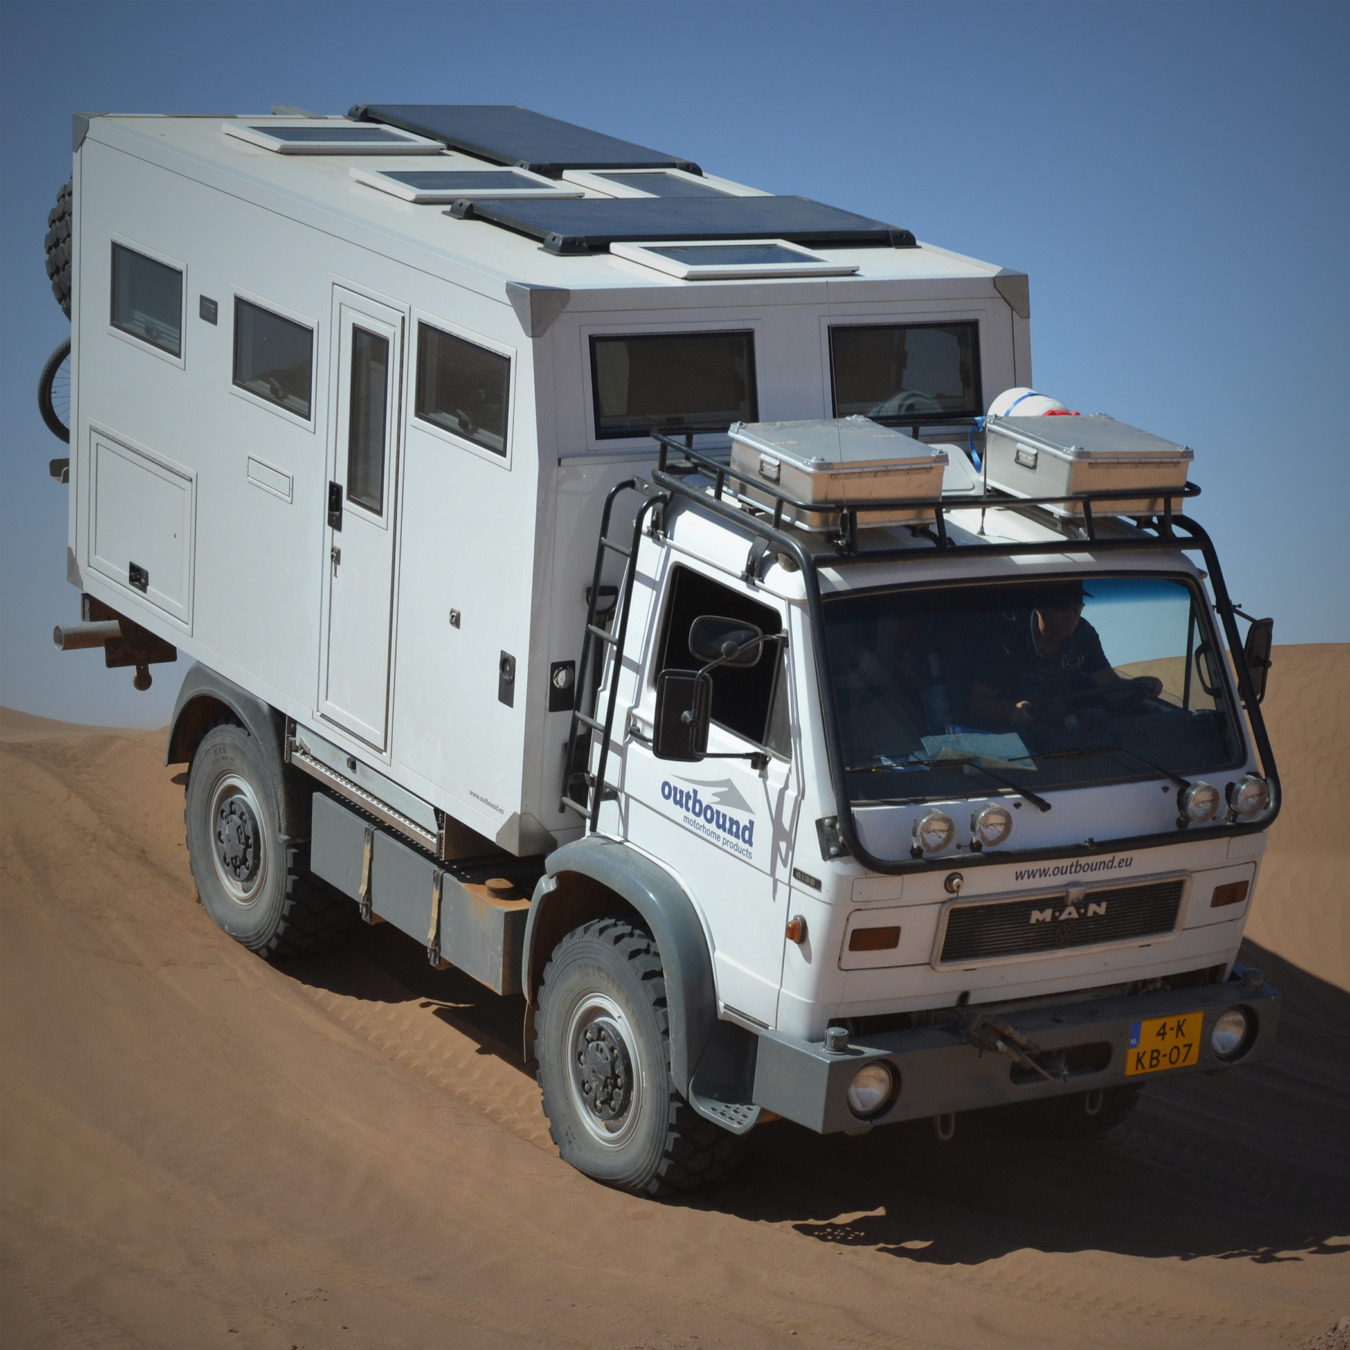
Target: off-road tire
{"type": "Point", "coordinates": [1071, 1116]}
{"type": "Point", "coordinates": [664, 1147]}
{"type": "Point", "coordinates": [252, 878]}
{"type": "Point", "coordinates": [50, 394]}
{"type": "Point", "coordinates": [59, 246]}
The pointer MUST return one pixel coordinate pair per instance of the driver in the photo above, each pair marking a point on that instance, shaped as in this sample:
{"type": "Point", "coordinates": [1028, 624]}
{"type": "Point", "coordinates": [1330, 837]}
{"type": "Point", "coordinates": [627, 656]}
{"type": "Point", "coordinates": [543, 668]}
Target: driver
{"type": "Point", "coordinates": [1033, 669]}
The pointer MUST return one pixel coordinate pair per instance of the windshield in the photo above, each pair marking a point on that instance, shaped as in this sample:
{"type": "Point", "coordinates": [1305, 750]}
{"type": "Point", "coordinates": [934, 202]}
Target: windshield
{"type": "Point", "coordinates": [1067, 681]}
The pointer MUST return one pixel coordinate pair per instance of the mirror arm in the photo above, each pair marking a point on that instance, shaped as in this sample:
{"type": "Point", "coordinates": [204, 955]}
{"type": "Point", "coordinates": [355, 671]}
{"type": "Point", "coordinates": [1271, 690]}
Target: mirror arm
{"type": "Point", "coordinates": [759, 761]}
{"type": "Point", "coordinates": [744, 647]}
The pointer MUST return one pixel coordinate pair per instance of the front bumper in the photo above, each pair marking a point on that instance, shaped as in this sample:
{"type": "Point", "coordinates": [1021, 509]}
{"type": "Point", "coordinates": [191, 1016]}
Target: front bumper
{"type": "Point", "coordinates": [939, 1073]}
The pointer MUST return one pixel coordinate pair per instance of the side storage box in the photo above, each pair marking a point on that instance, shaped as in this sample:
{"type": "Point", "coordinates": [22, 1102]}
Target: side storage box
{"type": "Point", "coordinates": [1060, 456]}
{"type": "Point", "coordinates": [838, 460]}
{"type": "Point", "coordinates": [475, 929]}
{"type": "Point", "coordinates": [141, 522]}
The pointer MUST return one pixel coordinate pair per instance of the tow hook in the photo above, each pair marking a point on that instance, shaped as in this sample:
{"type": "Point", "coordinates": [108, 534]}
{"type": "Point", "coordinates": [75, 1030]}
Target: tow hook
{"type": "Point", "coordinates": [995, 1035]}
{"type": "Point", "coordinates": [945, 1126]}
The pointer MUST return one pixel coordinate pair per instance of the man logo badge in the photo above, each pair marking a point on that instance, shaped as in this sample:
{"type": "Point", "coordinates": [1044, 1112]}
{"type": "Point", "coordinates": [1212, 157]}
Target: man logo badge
{"type": "Point", "coordinates": [1094, 909]}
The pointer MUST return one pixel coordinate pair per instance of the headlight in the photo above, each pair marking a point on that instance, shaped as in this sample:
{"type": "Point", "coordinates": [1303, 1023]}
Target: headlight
{"type": "Point", "coordinates": [871, 1090]}
{"type": "Point", "coordinates": [1230, 1033]}
{"type": "Point", "coordinates": [934, 831]}
{"type": "Point", "coordinates": [990, 826]}
{"type": "Point", "coordinates": [1248, 797]}
{"type": "Point", "coordinates": [1199, 802]}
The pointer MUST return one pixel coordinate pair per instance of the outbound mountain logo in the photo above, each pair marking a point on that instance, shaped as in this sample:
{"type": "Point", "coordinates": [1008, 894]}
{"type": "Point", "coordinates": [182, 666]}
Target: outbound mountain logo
{"type": "Point", "coordinates": [717, 811]}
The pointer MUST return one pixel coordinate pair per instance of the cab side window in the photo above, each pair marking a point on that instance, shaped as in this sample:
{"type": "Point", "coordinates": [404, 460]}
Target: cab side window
{"type": "Point", "coordinates": [750, 701]}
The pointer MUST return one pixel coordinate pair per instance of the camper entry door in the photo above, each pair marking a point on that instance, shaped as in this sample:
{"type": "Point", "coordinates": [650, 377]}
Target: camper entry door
{"type": "Point", "coordinates": [363, 457]}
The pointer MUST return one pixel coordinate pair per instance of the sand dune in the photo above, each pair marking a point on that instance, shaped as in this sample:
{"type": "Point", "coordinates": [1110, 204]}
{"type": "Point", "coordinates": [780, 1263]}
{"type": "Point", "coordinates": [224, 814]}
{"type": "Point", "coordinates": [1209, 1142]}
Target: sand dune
{"type": "Point", "coordinates": [202, 1150]}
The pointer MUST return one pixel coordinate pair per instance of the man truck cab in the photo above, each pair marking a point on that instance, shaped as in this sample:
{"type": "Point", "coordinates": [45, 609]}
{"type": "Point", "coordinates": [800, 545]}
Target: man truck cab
{"type": "Point", "coordinates": [667, 601]}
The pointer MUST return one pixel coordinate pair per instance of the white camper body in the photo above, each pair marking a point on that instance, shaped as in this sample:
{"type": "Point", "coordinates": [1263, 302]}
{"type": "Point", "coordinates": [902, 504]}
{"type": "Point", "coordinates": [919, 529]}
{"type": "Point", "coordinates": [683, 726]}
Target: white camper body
{"type": "Point", "coordinates": [831, 774]}
{"type": "Point", "coordinates": [221, 494]}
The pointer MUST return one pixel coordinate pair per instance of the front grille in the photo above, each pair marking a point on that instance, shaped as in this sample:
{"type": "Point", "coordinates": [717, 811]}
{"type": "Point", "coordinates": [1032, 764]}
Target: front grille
{"type": "Point", "coordinates": [977, 932]}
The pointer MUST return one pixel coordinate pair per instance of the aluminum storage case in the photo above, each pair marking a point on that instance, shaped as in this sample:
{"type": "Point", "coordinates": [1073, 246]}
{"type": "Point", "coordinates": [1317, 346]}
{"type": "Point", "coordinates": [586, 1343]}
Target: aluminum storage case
{"type": "Point", "coordinates": [1056, 456]}
{"type": "Point", "coordinates": [835, 461]}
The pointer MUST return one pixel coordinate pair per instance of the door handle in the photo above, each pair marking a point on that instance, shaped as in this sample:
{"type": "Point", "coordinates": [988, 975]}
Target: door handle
{"type": "Point", "coordinates": [335, 554]}
{"type": "Point", "coordinates": [335, 506]}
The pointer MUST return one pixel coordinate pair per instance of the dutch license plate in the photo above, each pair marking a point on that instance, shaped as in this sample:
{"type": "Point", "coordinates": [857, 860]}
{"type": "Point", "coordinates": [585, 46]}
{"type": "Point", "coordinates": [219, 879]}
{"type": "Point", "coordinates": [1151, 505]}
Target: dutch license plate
{"type": "Point", "coordinates": [1164, 1043]}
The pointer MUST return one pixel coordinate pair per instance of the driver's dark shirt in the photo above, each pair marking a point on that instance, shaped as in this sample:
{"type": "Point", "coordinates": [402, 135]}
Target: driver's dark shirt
{"type": "Point", "coordinates": [1015, 669]}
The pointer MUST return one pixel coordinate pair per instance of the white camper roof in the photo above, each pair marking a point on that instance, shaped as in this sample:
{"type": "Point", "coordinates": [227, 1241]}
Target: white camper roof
{"type": "Point", "coordinates": [566, 197]}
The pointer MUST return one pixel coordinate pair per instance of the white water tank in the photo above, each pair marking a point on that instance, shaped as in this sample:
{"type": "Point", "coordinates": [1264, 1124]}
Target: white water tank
{"type": "Point", "coordinates": [1023, 402]}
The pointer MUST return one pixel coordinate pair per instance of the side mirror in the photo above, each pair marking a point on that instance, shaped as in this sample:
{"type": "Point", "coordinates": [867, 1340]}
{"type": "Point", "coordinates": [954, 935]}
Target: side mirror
{"type": "Point", "coordinates": [683, 714]}
{"type": "Point", "coordinates": [729, 642]}
{"type": "Point", "coordinates": [1256, 650]}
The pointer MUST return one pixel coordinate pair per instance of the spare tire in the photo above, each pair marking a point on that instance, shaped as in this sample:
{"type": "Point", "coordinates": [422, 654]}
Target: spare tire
{"type": "Point", "coordinates": [58, 241]}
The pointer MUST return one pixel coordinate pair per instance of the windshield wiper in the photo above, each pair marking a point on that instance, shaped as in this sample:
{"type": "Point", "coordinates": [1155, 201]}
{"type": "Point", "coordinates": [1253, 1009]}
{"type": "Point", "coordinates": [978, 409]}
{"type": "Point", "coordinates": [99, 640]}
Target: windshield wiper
{"type": "Point", "coordinates": [1081, 751]}
{"type": "Point", "coordinates": [882, 762]}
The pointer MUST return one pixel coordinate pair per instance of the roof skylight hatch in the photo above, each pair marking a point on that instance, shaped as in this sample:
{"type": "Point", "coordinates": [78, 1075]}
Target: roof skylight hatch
{"type": "Point", "coordinates": [651, 183]}
{"type": "Point", "coordinates": [732, 260]}
{"type": "Point", "coordinates": [321, 136]}
{"type": "Point", "coordinates": [461, 184]}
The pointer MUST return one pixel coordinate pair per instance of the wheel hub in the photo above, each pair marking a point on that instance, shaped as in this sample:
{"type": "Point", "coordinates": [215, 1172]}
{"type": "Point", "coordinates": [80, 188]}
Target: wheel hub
{"type": "Point", "coordinates": [238, 839]}
{"type": "Point", "coordinates": [604, 1071]}
{"type": "Point", "coordinates": [605, 1075]}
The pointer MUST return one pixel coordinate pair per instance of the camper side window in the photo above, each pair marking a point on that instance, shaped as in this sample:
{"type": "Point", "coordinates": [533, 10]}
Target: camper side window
{"type": "Point", "coordinates": [462, 388]}
{"type": "Point", "coordinates": [694, 381]}
{"type": "Point", "coordinates": [906, 374]}
{"type": "Point", "coordinates": [748, 700]}
{"type": "Point", "coordinates": [273, 357]}
{"type": "Point", "coordinates": [147, 299]}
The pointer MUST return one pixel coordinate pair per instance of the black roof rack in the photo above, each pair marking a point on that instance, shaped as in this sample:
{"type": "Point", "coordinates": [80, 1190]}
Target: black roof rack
{"type": "Point", "coordinates": [506, 134]}
{"type": "Point", "coordinates": [593, 223]}
{"type": "Point", "coordinates": [678, 457]}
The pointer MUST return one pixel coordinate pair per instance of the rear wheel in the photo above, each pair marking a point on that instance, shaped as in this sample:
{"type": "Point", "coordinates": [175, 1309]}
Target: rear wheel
{"type": "Point", "coordinates": [252, 879]}
{"type": "Point", "coordinates": [603, 1047]}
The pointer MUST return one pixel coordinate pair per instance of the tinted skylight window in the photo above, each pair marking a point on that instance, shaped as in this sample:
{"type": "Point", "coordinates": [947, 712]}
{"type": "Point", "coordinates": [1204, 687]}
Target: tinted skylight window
{"type": "Point", "coordinates": [322, 137]}
{"type": "Point", "coordinates": [733, 255]}
{"type": "Point", "coordinates": [696, 261]}
{"type": "Point", "coordinates": [464, 178]}
{"type": "Point", "coordinates": [664, 184]}
{"type": "Point", "coordinates": [449, 185]}
{"type": "Point", "coordinates": [327, 135]}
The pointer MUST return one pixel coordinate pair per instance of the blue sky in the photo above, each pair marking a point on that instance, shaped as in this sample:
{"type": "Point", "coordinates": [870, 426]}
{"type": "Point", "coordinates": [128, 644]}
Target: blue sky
{"type": "Point", "coordinates": [1174, 177]}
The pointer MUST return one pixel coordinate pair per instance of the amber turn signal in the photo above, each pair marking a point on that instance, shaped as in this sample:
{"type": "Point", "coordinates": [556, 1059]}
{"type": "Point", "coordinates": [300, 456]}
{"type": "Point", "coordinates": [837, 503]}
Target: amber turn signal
{"type": "Point", "coordinates": [796, 929]}
{"type": "Point", "coordinates": [1234, 893]}
{"type": "Point", "coordinates": [874, 939]}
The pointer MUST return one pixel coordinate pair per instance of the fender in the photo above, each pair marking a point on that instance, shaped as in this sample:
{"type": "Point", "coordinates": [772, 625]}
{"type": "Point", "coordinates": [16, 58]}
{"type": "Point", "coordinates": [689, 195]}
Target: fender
{"type": "Point", "coordinates": [201, 700]}
{"type": "Point", "coordinates": [661, 902]}
{"type": "Point", "coordinates": [193, 713]}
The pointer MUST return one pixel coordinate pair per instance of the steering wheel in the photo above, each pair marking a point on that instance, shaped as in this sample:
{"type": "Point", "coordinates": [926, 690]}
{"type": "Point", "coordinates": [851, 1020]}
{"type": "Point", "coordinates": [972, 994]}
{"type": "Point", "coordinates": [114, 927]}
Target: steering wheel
{"type": "Point", "coordinates": [1116, 697]}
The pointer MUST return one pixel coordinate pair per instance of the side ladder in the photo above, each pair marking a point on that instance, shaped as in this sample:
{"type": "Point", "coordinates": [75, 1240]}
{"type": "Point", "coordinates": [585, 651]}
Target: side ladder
{"type": "Point", "coordinates": [583, 791]}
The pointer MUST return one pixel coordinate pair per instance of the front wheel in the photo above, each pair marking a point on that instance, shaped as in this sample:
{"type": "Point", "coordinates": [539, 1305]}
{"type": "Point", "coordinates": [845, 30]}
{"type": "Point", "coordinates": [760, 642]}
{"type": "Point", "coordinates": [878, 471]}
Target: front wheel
{"type": "Point", "coordinates": [603, 1047]}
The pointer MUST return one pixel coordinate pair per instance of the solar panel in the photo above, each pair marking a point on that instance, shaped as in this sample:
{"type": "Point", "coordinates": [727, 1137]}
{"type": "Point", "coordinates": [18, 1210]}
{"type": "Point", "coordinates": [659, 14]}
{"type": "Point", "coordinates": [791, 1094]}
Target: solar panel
{"type": "Point", "coordinates": [505, 134]}
{"type": "Point", "coordinates": [591, 225]}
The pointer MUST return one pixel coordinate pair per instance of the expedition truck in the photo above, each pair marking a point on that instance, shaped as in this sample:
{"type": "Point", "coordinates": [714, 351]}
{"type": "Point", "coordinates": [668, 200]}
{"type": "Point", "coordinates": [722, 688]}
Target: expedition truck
{"type": "Point", "coordinates": [667, 601]}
